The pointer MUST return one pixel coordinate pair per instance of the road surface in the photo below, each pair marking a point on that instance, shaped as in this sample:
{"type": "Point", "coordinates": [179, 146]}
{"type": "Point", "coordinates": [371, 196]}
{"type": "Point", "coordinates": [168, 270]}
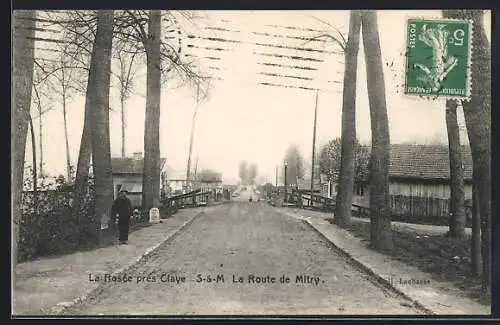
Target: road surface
{"type": "Point", "coordinates": [254, 244]}
{"type": "Point", "coordinates": [244, 194]}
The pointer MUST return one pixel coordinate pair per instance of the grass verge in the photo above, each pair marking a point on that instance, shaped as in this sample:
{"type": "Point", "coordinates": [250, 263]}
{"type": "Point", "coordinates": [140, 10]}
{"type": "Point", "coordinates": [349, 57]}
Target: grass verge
{"type": "Point", "coordinates": [445, 259]}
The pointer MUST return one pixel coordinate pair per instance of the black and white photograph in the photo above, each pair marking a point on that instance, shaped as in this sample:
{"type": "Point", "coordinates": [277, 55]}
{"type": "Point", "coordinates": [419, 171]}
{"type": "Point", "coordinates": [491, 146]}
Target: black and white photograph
{"type": "Point", "coordinates": [251, 163]}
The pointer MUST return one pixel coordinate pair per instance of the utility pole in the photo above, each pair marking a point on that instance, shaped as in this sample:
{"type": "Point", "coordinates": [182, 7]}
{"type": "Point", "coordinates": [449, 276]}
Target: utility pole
{"type": "Point", "coordinates": [276, 177]}
{"type": "Point", "coordinates": [286, 165]}
{"type": "Point", "coordinates": [313, 148]}
{"type": "Point", "coordinates": [196, 169]}
{"type": "Point", "coordinates": [188, 169]}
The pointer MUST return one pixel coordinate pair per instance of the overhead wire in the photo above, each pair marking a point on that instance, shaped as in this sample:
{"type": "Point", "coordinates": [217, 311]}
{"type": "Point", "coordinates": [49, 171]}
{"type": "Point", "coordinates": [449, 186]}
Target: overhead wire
{"type": "Point", "coordinates": [287, 67]}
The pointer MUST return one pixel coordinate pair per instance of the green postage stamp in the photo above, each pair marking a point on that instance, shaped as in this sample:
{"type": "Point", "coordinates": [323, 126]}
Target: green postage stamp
{"type": "Point", "coordinates": [438, 56]}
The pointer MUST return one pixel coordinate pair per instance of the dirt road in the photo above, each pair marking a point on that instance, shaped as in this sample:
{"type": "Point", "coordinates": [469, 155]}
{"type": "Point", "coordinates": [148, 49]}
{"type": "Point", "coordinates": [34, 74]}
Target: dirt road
{"type": "Point", "coordinates": [199, 273]}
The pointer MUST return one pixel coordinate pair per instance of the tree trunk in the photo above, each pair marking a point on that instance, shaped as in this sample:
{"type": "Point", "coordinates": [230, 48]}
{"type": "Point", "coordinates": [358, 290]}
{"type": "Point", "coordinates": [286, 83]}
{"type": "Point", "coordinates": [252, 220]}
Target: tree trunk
{"type": "Point", "coordinates": [68, 159]}
{"type": "Point", "coordinates": [40, 130]}
{"type": "Point", "coordinates": [85, 152]}
{"type": "Point", "coordinates": [477, 113]}
{"type": "Point", "coordinates": [151, 174]}
{"type": "Point", "coordinates": [381, 232]}
{"type": "Point", "coordinates": [33, 156]}
{"type": "Point", "coordinates": [122, 102]}
{"type": "Point", "coordinates": [476, 234]}
{"type": "Point", "coordinates": [346, 182]}
{"type": "Point", "coordinates": [23, 53]}
{"type": "Point", "coordinates": [101, 151]}
{"type": "Point", "coordinates": [457, 206]}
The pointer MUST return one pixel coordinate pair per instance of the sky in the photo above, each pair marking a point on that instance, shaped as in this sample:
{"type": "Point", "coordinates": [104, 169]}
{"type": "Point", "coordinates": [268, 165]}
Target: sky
{"type": "Point", "coordinates": [241, 120]}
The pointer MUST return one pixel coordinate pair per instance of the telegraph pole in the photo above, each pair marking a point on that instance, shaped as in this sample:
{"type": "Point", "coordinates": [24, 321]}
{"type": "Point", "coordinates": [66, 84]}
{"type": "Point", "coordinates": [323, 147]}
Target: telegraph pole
{"type": "Point", "coordinates": [276, 176]}
{"type": "Point", "coordinates": [188, 169]}
{"type": "Point", "coordinates": [313, 147]}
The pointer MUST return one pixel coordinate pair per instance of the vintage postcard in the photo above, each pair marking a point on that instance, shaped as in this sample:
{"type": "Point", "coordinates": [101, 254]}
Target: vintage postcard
{"type": "Point", "coordinates": [253, 163]}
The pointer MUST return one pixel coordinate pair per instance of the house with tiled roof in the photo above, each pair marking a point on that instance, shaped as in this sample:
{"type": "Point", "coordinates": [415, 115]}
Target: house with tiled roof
{"type": "Point", "coordinates": [421, 171]}
{"type": "Point", "coordinates": [127, 175]}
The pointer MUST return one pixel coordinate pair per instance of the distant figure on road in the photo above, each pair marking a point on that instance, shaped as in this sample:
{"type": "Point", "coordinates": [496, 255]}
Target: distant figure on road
{"type": "Point", "coordinates": [122, 208]}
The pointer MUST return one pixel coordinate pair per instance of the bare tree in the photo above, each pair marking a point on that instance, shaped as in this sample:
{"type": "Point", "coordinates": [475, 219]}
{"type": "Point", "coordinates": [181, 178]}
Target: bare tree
{"type": "Point", "coordinates": [23, 55]}
{"type": "Point", "coordinates": [33, 157]}
{"type": "Point", "coordinates": [457, 207]}
{"type": "Point", "coordinates": [475, 248]}
{"type": "Point", "coordinates": [101, 148]}
{"type": "Point", "coordinates": [42, 108]}
{"type": "Point", "coordinates": [85, 151]}
{"type": "Point", "coordinates": [161, 59]}
{"type": "Point", "coordinates": [126, 56]}
{"type": "Point", "coordinates": [477, 113]}
{"type": "Point", "coordinates": [151, 181]}
{"type": "Point", "coordinates": [346, 182]}
{"type": "Point", "coordinates": [65, 77]}
{"type": "Point", "coordinates": [381, 231]}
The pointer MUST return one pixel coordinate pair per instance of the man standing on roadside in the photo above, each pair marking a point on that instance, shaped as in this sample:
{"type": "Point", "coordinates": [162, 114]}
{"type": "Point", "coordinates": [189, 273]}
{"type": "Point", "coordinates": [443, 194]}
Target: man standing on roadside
{"type": "Point", "coordinates": [122, 208]}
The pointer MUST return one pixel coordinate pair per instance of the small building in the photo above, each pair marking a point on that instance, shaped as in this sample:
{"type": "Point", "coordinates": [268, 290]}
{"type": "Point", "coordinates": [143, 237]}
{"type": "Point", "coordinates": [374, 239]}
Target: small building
{"type": "Point", "coordinates": [127, 175]}
{"type": "Point", "coordinates": [210, 182]}
{"type": "Point", "coordinates": [176, 182]}
{"type": "Point", "coordinates": [420, 171]}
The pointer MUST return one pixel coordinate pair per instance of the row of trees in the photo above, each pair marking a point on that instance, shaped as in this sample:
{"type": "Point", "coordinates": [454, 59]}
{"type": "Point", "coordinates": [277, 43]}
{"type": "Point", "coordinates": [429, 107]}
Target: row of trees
{"type": "Point", "coordinates": [477, 118]}
{"type": "Point", "coordinates": [96, 37]}
{"type": "Point", "coordinates": [247, 173]}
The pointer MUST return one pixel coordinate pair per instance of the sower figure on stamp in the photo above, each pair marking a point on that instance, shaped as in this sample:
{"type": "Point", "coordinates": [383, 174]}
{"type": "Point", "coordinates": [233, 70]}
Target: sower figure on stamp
{"type": "Point", "coordinates": [122, 208]}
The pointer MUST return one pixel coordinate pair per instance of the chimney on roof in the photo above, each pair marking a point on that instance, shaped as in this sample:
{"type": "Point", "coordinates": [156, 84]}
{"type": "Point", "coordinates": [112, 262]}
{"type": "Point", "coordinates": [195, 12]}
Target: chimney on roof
{"type": "Point", "coordinates": [137, 155]}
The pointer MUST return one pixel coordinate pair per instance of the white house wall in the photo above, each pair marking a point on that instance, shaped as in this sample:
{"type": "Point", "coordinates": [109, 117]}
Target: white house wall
{"type": "Point", "coordinates": [127, 179]}
{"type": "Point", "coordinates": [122, 179]}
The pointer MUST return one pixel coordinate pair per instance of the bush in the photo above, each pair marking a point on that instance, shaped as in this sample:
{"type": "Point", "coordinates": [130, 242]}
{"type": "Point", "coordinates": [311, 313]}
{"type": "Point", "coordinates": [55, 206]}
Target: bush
{"type": "Point", "coordinates": [49, 227]}
{"type": "Point", "coordinates": [167, 209]}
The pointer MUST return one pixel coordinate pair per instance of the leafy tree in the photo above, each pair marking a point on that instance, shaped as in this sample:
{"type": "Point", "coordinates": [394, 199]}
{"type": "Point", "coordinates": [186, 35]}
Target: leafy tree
{"type": "Point", "coordinates": [243, 173]}
{"type": "Point", "coordinates": [252, 173]}
{"type": "Point", "coordinates": [295, 165]}
{"type": "Point", "coordinates": [329, 160]}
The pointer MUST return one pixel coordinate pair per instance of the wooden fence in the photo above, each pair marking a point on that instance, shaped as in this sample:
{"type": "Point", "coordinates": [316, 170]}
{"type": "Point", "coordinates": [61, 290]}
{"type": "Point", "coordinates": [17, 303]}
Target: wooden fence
{"type": "Point", "coordinates": [415, 206]}
{"type": "Point", "coordinates": [402, 207]}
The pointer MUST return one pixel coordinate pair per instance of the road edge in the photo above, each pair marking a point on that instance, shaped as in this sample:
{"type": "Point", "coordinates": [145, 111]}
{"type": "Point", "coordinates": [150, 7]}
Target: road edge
{"type": "Point", "coordinates": [367, 268]}
{"type": "Point", "coordinates": [63, 306]}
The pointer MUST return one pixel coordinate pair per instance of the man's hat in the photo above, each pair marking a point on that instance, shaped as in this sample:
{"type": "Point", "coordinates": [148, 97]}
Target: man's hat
{"type": "Point", "coordinates": [124, 191]}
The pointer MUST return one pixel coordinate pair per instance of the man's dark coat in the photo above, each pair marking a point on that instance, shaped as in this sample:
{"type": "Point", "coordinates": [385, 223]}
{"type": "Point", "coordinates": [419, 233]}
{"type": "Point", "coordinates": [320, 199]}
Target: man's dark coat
{"type": "Point", "coordinates": [123, 207]}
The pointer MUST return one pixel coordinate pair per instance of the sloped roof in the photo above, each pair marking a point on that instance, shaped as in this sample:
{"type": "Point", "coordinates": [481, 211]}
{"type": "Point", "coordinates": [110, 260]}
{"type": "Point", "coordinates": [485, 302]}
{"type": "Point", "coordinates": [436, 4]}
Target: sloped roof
{"type": "Point", "coordinates": [425, 161]}
{"type": "Point", "coordinates": [210, 178]}
{"type": "Point", "coordinates": [130, 165]}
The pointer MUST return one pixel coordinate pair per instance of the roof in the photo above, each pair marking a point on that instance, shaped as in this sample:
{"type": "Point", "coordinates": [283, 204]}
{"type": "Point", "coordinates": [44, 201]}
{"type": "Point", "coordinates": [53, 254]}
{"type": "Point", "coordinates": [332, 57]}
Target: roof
{"type": "Point", "coordinates": [130, 165]}
{"type": "Point", "coordinates": [209, 177]}
{"type": "Point", "coordinates": [430, 162]}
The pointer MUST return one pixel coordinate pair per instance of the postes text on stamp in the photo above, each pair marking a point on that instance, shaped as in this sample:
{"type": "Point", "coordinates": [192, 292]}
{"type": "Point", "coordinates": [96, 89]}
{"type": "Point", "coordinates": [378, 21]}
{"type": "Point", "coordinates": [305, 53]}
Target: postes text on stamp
{"type": "Point", "coordinates": [438, 54]}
